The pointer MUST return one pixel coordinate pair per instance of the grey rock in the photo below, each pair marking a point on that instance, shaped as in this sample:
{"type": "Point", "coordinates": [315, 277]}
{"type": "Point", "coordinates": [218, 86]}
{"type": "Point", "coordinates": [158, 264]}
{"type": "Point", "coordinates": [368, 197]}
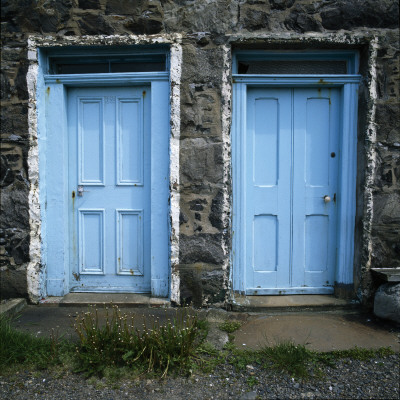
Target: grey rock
{"type": "Point", "coordinates": [13, 283]}
{"type": "Point", "coordinates": [249, 396]}
{"type": "Point", "coordinates": [204, 248]}
{"type": "Point", "coordinates": [347, 14]}
{"type": "Point", "coordinates": [215, 216]}
{"type": "Point", "coordinates": [387, 302]}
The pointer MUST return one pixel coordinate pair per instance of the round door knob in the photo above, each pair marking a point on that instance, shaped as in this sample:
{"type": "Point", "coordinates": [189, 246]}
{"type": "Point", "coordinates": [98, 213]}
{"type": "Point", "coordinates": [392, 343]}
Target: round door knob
{"type": "Point", "coordinates": [327, 199]}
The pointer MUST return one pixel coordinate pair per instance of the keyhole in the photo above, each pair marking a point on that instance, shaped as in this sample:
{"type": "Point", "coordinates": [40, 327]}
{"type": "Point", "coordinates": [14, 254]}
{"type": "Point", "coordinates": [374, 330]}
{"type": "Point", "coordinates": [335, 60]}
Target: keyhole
{"type": "Point", "coordinates": [333, 155]}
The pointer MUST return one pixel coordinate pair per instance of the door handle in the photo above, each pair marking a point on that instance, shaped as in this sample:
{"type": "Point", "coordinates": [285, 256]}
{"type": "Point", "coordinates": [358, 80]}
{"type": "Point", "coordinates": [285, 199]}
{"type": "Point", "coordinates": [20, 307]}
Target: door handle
{"type": "Point", "coordinates": [327, 198]}
{"type": "Point", "coordinates": [81, 190]}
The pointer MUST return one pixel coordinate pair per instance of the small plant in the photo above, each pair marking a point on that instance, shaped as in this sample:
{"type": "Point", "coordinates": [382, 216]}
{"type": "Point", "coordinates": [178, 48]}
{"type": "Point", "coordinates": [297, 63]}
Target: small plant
{"type": "Point", "coordinates": [152, 349]}
{"type": "Point", "coordinates": [23, 348]}
{"type": "Point", "coordinates": [252, 381]}
{"type": "Point", "coordinates": [230, 326]}
{"type": "Point", "coordinates": [290, 357]}
{"type": "Point", "coordinates": [208, 357]}
{"type": "Point", "coordinates": [361, 354]}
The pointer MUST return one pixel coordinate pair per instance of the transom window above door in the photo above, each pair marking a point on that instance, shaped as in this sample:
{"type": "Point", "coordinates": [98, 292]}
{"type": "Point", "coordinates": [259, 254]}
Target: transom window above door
{"type": "Point", "coordinates": [295, 63]}
{"type": "Point", "coordinates": [83, 60]}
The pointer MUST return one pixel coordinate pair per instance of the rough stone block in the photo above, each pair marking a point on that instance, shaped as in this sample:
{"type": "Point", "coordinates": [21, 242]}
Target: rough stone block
{"type": "Point", "coordinates": [13, 283]}
{"type": "Point", "coordinates": [14, 207]}
{"type": "Point", "coordinates": [217, 205]}
{"type": "Point", "coordinates": [14, 120]}
{"type": "Point", "coordinates": [89, 4]}
{"type": "Point", "coordinates": [201, 16]}
{"type": "Point", "coordinates": [202, 65]}
{"type": "Point", "coordinates": [201, 248]}
{"type": "Point", "coordinates": [94, 25]}
{"type": "Point", "coordinates": [387, 302]}
{"type": "Point", "coordinates": [201, 162]}
{"type": "Point", "coordinates": [254, 17]}
{"type": "Point", "coordinates": [347, 14]}
{"type": "Point", "coordinates": [201, 283]}
{"type": "Point", "coordinates": [388, 122]}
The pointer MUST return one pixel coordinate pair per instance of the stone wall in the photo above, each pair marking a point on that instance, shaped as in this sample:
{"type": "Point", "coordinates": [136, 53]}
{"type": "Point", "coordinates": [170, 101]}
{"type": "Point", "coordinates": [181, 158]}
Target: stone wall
{"type": "Point", "coordinates": [208, 29]}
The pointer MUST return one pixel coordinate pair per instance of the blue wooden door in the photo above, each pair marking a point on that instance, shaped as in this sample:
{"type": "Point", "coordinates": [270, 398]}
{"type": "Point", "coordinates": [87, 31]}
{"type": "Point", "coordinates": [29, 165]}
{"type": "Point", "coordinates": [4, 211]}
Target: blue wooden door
{"type": "Point", "coordinates": [109, 189]}
{"type": "Point", "coordinates": [291, 173]}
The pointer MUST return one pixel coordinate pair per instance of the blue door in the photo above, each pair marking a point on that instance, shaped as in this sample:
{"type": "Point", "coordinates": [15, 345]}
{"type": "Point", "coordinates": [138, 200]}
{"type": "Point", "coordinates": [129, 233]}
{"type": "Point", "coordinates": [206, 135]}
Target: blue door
{"type": "Point", "coordinates": [109, 189]}
{"type": "Point", "coordinates": [291, 190]}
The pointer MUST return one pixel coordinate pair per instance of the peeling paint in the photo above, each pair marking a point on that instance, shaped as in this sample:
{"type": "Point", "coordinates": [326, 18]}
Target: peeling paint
{"type": "Point", "coordinates": [175, 77]}
{"type": "Point", "coordinates": [370, 141]}
{"type": "Point", "coordinates": [35, 269]}
{"type": "Point", "coordinates": [226, 94]}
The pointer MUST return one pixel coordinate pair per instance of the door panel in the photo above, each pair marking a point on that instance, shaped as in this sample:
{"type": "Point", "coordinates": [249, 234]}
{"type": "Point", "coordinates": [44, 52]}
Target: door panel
{"type": "Point", "coordinates": [315, 173]}
{"type": "Point", "coordinates": [109, 187]}
{"type": "Point", "coordinates": [267, 187]}
{"type": "Point", "coordinates": [291, 162]}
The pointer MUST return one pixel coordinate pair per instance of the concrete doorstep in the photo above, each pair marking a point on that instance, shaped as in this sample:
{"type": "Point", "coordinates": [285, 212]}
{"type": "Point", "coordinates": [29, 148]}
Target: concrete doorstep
{"type": "Point", "coordinates": [318, 330]}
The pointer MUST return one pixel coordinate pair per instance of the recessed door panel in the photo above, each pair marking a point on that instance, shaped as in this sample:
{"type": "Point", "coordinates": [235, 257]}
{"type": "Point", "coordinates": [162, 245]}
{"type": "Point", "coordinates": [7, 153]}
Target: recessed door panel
{"type": "Point", "coordinates": [267, 187]}
{"type": "Point", "coordinates": [129, 142]}
{"type": "Point", "coordinates": [317, 142]}
{"type": "Point", "coordinates": [91, 241]}
{"type": "Point", "coordinates": [109, 187]}
{"type": "Point", "coordinates": [292, 158]}
{"type": "Point", "coordinates": [264, 252]}
{"type": "Point", "coordinates": [265, 142]}
{"type": "Point", "coordinates": [130, 242]}
{"type": "Point", "coordinates": [90, 141]}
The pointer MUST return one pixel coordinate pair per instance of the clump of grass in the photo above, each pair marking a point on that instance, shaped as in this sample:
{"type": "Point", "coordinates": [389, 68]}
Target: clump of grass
{"type": "Point", "coordinates": [358, 353]}
{"type": "Point", "coordinates": [230, 326]}
{"type": "Point", "coordinates": [158, 348]}
{"type": "Point", "coordinates": [290, 357]}
{"type": "Point", "coordinates": [252, 381]}
{"type": "Point", "coordinates": [208, 357]}
{"type": "Point", "coordinates": [23, 348]}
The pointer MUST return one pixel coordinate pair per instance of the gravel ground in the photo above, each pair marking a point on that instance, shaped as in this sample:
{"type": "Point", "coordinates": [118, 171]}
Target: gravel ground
{"type": "Point", "coordinates": [352, 379]}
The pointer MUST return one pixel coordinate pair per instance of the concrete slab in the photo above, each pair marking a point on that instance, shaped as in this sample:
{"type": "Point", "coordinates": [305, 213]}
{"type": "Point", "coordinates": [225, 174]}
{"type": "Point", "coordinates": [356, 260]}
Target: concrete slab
{"type": "Point", "coordinates": [288, 303]}
{"type": "Point", "coordinates": [12, 307]}
{"type": "Point", "coordinates": [322, 331]}
{"type": "Point", "coordinates": [120, 299]}
{"type": "Point", "coordinates": [319, 331]}
{"type": "Point", "coordinates": [59, 321]}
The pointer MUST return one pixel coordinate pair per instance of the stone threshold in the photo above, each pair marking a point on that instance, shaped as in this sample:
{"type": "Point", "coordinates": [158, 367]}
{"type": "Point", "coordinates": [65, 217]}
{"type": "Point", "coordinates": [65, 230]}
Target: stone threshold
{"type": "Point", "coordinates": [300, 302]}
{"type": "Point", "coordinates": [100, 299]}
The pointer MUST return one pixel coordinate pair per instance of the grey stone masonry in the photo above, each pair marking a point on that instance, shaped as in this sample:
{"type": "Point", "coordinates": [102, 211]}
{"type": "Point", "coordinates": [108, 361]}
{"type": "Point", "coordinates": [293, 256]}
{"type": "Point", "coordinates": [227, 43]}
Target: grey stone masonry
{"type": "Point", "coordinates": [387, 302]}
{"type": "Point", "coordinates": [208, 32]}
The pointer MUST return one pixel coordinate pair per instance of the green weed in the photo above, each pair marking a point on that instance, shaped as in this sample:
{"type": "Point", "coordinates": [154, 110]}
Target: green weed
{"type": "Point", "coordinates": [23, 348]}
{"type": "Point", "coordinates": [157, 348]}
{"type": "Point", "coordinates": [358, 353]}
{"type": "Point", "coordinates": [289, 357]}
{"type": "Point", "coordinates": [252, 381]}
{"type": "Point", "coordinates": [208, 357]}
{"type": "Point", "coordinates": [230, 326]}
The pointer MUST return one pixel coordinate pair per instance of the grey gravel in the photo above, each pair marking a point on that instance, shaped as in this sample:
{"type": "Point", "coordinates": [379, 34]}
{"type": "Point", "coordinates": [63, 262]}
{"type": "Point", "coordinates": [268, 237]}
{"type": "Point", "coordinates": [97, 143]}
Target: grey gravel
{"type": "Point", "coordinates": [376, 378]}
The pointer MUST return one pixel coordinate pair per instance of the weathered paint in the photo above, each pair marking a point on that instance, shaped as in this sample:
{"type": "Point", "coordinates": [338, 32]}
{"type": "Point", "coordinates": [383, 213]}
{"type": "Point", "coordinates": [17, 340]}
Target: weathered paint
{"type": "Point", "coordinates": [370, 137]}
{"type": "Point", "coordinates": [36, 267]}
{"type": "Point", "coordinates": [174, 144]}
{"type": "Point", "coordinates": [226, 104]}
{"type": "Point", "coordinates": [36, 275]}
